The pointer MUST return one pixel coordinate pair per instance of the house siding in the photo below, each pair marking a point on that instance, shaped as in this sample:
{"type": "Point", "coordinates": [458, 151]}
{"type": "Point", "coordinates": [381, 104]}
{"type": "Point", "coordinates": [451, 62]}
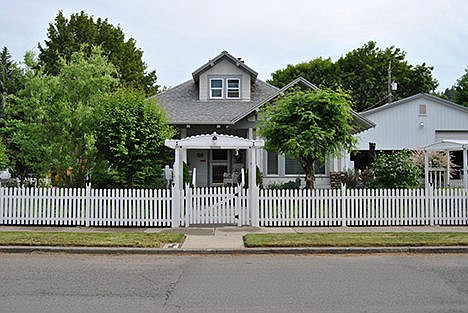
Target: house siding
{"type": "Point", "coordinates": [402, 127]}
{"type": "Point", "coordinates": [224, 68]}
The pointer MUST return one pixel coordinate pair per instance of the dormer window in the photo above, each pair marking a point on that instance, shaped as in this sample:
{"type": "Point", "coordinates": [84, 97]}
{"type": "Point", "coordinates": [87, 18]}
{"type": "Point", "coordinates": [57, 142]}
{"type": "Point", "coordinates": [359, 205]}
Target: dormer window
{"type": "Point", "coordinates": [225, 88]}
{"type": "Point", "coordinates": [216, 88]}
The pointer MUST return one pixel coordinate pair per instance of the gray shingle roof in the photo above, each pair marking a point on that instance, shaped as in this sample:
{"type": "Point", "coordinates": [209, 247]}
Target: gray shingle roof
{"type": "Point", "coordinates": [183, 107]}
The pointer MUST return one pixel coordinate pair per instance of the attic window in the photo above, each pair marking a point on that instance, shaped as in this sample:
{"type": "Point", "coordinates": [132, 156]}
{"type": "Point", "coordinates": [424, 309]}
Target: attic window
{"type": "Point", "coordinates": [422, 109]}
{"type": "Point", "coordinates": [233, 88]}
{"type": "Point", "coordinates": [216, 88]}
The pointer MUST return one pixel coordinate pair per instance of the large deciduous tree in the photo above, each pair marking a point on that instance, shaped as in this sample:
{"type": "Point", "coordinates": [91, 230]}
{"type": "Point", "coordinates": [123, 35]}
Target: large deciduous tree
{"type": "Point", "coordinates": [308, 126]}
{"type": "Point", "coordinates": [130, 141]}
{"type": "Point", "coordinates": [321, 72]}
{"type": "Point", "coordinates": [363, 72]}
{"type": "Point", "coordinates": [51, 122]}
{"type": "Point", "coordinates": [80, 33]}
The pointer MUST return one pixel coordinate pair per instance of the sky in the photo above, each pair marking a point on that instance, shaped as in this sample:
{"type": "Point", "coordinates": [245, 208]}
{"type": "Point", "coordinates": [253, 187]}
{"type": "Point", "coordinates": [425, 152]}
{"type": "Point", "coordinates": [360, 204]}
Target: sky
{"type": "Point", "coordinates": [178, 36]}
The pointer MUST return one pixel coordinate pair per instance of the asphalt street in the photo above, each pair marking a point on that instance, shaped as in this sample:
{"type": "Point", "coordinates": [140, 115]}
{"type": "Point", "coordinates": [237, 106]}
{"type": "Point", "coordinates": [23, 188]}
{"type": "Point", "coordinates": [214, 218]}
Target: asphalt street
{"type": "Point", "coordinates": [233, 283]}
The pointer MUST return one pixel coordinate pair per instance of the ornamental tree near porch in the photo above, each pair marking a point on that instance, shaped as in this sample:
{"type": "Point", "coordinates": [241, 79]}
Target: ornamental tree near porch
{"type": "Point", "coordinates": [308, 125]}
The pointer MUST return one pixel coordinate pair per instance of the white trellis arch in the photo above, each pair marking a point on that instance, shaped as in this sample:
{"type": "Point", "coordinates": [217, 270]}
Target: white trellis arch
{"type": "Point", "coordinates": [447, 145]}
{"type": "Point", "coordinates": [214, 141]}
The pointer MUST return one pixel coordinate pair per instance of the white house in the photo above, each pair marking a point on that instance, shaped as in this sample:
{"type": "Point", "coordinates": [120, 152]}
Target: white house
{"type": "Point", "coordinates": [224, 96]}
{"type": "Point", "coordinates": [413, 123]}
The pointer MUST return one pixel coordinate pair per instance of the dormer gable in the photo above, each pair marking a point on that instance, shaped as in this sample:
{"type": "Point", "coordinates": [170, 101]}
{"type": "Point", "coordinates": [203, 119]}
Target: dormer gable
{"type": "Point", "coordinates": [224, 78]}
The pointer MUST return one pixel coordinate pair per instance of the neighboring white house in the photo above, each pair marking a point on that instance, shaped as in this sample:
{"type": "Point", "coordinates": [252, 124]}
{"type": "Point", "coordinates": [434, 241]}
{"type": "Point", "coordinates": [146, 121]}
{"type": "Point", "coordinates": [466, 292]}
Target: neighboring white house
{"type": "Point", "coordinates": [412, 123]}
{"type": "Point", "coordinates": [224, 96]}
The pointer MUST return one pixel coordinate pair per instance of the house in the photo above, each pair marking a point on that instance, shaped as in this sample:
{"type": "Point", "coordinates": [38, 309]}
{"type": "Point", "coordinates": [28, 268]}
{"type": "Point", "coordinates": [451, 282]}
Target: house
{"type": "Point", "coordinates": [413, 123]}
{"type": "Point", "coordinates": [225, 96]}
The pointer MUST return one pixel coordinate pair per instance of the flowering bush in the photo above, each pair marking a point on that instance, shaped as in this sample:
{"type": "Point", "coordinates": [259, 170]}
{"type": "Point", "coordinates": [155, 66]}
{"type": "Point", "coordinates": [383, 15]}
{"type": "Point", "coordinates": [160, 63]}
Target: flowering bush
{"type": "Point", "coordinates": [395, 170]}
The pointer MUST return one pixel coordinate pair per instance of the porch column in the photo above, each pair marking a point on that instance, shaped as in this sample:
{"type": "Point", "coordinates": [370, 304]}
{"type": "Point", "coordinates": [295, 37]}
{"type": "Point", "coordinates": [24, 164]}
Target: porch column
{"type": "Point", "coordinates": [253, 189]}
{"type": "Point", "coordinates": [448, 169]}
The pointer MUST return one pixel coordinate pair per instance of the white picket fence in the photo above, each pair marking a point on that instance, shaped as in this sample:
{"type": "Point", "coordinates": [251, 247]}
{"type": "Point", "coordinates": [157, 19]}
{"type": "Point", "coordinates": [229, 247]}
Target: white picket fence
{"type": "Point", "coordinates": [363, 207]}
{"type": "Point", "coordinates": [154, 208]}
{"type": "Point", "coordinates": [85, 207]}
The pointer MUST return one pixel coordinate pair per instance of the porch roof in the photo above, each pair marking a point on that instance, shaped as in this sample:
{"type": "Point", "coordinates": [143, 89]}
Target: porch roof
{"type": "Point", "coordinates": [447, 144]}
{"type": "Point", "coordinates": [214, 141]}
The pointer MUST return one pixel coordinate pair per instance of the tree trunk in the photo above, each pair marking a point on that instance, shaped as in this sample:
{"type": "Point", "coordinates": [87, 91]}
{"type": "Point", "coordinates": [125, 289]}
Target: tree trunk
{"type": "Point", "coordinates": [309, 172]}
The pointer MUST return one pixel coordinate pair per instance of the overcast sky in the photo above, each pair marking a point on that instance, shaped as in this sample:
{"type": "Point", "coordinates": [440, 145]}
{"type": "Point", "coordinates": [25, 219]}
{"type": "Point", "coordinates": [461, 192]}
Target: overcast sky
{"type": "Point", "coordinates": [178, 36]}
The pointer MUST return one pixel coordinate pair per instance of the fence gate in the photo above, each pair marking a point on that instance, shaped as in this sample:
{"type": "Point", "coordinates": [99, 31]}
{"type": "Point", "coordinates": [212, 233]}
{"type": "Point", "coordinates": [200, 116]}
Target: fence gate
{"type": "Point", "coordinates": [216, 205]}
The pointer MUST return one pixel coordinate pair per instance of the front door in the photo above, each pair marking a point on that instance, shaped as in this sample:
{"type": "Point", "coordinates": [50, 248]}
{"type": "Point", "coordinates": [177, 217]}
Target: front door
{"type": "Point", "coordinates": [219, 166]}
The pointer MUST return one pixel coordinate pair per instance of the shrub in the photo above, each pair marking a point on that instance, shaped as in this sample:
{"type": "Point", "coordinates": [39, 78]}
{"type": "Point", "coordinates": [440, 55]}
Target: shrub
{"type": "Point", "coordinates": [437, 159]}
{"type": "Point", "coordinates": [395, 170]}
{"type": "Point", "coordinates": [287, 185]}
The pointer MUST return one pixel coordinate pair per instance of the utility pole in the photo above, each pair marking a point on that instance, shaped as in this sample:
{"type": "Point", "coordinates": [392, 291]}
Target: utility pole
{"type": "Point", "coordinates": [389, 82]}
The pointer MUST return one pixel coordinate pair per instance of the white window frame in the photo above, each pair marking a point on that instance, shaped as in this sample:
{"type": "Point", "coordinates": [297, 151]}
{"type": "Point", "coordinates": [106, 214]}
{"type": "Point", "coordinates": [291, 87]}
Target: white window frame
{"type": "Point", "coordinates": [238, 89]}
{"type": "Point", "coordinates": [217, 88]}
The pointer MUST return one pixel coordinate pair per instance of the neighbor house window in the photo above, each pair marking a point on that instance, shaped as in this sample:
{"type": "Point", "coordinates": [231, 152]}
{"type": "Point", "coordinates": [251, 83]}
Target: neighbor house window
{"type": "Point", "coordinates": [292, 167]}
{"type": "Point", "coordinates": [272, 163]}
{"type": "Point", "coordinates": [216, 88]}
{"type": "Point", "coordinates": [422, 109]}
{"type": "Point", "coordinates": [233, 88]}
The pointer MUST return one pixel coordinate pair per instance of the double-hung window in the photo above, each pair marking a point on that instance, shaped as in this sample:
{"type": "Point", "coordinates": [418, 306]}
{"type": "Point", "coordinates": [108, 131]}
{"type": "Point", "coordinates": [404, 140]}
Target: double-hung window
{"type": "Point", "coordinates": [216, 88]}
{"type": "Point", "coordinates": [233, 88]}
{"type": "Point", "coordinates": [225, 88]}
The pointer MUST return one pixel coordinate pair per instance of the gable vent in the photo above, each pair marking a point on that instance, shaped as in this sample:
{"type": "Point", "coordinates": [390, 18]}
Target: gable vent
{"type": "Point", "coordinates": [422, 109]}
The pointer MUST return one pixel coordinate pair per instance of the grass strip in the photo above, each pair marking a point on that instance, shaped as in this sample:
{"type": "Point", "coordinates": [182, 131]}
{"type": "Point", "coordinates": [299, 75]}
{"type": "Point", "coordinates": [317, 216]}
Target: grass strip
{"type": "Point", "coordinates": [70, 239]}
{"type": "Point", "coordinates": [363, 239]}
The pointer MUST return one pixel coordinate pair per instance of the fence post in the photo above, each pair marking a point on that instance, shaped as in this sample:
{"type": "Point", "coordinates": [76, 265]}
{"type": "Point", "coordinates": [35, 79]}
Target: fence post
{"type": "Point", "coordinates": [343, 205]}
{"type": "Point", "coordinates": [188, 205]}
{"type": "Point", "coordinates": [430, 203]}
{"type": "Point", "coordinates": [176, 195]}
{"type": "Point", "coordinates": [1, 204]}
{"type": "Point", "coordinates": [87, 204]}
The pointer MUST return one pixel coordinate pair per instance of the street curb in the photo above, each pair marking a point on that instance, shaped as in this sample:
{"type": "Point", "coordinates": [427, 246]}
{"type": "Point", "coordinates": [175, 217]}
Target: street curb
{"type": "Point", "coordinates": [245, 251]}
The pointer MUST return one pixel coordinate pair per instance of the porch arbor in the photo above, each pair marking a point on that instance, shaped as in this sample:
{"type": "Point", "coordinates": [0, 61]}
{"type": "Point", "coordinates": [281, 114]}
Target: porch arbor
{"type": "Point", "coordinates": [213, 141]}
{"type": "Point", "coordinates": [447, 145]}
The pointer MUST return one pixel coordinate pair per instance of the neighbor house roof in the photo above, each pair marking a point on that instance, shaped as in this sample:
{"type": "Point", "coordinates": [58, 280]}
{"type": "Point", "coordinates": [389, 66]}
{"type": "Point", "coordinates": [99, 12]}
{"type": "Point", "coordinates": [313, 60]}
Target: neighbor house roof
{"type": "Point", "coordinates": [218, 58]}
{"type": "Point", "coordinates": [182, 104]}
{"type": "Point", "coordinates": [417, 96]}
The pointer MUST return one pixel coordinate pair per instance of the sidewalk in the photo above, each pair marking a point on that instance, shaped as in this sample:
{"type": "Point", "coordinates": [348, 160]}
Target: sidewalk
{"type": "Point", "coordinates": [229, 239]}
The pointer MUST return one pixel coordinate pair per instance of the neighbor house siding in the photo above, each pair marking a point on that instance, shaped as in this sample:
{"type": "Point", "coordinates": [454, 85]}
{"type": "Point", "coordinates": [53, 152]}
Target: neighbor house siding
{"type": "Point", "coordinates": [403, 127]}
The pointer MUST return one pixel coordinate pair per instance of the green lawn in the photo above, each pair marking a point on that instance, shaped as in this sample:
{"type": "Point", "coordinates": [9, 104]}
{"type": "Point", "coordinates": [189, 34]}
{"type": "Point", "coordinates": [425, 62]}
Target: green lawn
{"type": "Point", "coordinates": [136, 240]}
{"type": "Point", "coordinates": [356, 239]}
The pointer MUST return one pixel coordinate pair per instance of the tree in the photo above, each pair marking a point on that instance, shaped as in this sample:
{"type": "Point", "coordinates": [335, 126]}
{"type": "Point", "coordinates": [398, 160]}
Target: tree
{"type": "Point", "coordinates": [10, 79]}
{"type": "Point", "coordinates": [308, 125]}
{"type": "Point", "coordinates": [363, 72]}
{"type": "Point", "coordinates": [130, 140]}
{"type": "Point", "coordinates": [51, 122]}
{"type": "Point", "coordinates": [321, 72]}
{"type": "Point", "coordinates": [460, 94]}
{"type": "Point", "coordinates": [4, 161]}
{"type": "Point", "coordinates": [395, 170]}
{"type": "Point", "coordinates": [80, 33]}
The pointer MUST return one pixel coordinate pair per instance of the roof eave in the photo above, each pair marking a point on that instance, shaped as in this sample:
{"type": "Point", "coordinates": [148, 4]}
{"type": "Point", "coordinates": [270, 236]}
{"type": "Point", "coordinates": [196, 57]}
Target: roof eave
{"type": "Point", "coordinates": [224, 54]}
